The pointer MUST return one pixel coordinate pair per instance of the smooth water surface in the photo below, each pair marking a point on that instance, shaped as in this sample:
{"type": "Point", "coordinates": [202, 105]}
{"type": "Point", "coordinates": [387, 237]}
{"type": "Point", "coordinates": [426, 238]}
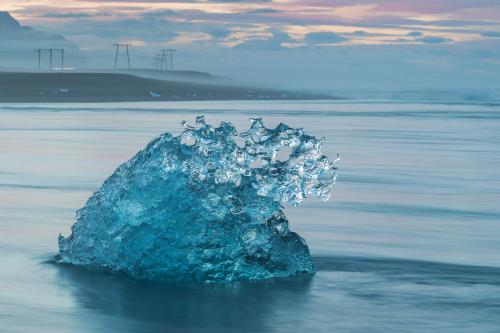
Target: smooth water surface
{"type": "Point", "coordinates": [410, 241]}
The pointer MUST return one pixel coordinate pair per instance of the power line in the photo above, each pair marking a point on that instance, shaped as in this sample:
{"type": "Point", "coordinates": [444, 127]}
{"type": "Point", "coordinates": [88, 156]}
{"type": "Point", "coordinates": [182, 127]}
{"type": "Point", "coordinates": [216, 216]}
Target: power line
{"type": "Point", "coordinates": [125, 47]}
{"type": "Point", "coordinates": [165, 59]}
{"type": "Point", "coordinates": [51, 54]}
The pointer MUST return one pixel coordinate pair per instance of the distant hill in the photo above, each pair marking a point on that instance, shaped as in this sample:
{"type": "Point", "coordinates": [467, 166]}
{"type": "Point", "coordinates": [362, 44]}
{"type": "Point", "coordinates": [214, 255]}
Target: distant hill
{"type": "Point", "coordinates": [17, 43]}
{"type": "Point", "coordinates": [7, 21]}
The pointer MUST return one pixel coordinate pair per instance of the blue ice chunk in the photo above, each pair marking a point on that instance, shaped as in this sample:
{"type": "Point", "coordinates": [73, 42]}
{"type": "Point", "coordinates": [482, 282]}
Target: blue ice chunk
{"type": "Point", "coordinates": [199, 207]}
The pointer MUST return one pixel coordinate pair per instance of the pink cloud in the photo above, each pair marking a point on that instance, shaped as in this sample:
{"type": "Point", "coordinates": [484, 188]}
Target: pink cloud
{"type": "Point", "coordinates": [415, 6]}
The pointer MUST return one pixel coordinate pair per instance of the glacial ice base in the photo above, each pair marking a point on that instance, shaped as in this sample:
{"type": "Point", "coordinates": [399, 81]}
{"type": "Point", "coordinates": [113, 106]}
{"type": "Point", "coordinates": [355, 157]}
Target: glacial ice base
{"type": "Point", "coordinates": [200, 207]}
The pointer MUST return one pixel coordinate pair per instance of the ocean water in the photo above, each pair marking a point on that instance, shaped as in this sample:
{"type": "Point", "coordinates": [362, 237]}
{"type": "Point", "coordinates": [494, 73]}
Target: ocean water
{"type": "Point", "coordinates": [410, 241]}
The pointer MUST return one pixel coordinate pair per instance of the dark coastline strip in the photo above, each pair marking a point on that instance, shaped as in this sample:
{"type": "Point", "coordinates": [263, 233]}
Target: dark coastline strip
{"type": "Point", "coordinates": [17, 87]}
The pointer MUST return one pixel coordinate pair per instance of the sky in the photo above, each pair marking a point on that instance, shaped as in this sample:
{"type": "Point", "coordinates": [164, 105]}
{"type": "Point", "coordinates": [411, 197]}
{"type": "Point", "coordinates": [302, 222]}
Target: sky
{"type": "Point", "coordinates": [309, 43]}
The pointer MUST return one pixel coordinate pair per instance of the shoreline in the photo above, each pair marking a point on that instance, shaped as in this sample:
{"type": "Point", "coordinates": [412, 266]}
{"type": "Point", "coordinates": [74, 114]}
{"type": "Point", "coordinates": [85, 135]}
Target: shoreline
{"type": "Point", "coordinates": [85, 87]}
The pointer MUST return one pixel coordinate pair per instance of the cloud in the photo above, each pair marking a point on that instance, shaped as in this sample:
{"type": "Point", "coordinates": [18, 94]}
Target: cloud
{"type": "Point", "coordinates": [264, 11]}
{"type": "Point", "coordinates": [274, 43]}
{"type": "Point", "coordinates": [218, 32]}
{"type": "Point", "coordinates": [361, 33]}
{"type": "Point", "coordinates": [494, 34]}
{"type": "Point", "coordinates": [70, 15]}
{"type": "Point", "coordinates": [324, 38]}
{"type": "Point", "coordinates": [147, 27]}
{"type": "Point", "coordinates": [236, 1]}
{"type": "Point", "coordinates": [181, 1]}
{"type": "Point", "coordinates": [187, 37]}
{"type": "Point", "coordinates": [416, 6]}
{"type": "Point", "coordinates": [159, 13]}
{"type": "Point", "coordinates": [433, 40]}
{"type": "Point", "coordinates": [414, 34]}
{"type": "Point", "coordinates": [160, 21]}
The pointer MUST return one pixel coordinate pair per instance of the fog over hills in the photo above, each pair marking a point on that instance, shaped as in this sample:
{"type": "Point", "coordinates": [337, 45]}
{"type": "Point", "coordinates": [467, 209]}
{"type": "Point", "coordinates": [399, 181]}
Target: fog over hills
{"type": "Point", "coordinates": [17, 43]}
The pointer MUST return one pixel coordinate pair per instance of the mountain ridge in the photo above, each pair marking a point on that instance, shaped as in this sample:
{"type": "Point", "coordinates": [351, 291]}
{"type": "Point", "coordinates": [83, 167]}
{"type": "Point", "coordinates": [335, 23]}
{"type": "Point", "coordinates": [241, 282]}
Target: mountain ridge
{"type": "Point", "coordinates": [11, 30]}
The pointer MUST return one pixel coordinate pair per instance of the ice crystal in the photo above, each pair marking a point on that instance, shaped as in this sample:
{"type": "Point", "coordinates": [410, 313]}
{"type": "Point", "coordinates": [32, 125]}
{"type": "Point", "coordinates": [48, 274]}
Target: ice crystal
{"type": "Point", "coordinates": [199, 207]}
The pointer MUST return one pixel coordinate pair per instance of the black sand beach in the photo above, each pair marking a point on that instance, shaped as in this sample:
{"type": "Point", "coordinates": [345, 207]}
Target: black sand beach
{"type": "Point", "coordinates": [35, 87]}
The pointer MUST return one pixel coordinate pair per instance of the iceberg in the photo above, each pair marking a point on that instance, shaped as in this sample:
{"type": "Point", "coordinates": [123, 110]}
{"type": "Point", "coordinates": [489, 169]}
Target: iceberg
{"type": "Point", "coordinates": [204, 206]}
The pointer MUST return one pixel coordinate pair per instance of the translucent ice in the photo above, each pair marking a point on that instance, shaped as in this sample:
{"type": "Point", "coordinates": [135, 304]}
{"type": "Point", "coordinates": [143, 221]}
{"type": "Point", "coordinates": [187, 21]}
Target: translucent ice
{"type": "Point", "coordinates": [198, 207]}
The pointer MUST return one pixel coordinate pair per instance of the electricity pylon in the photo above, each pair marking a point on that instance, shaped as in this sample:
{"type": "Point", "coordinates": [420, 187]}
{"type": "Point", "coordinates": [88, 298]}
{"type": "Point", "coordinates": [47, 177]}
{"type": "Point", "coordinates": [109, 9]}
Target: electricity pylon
{"type": "Point", "coordinates": [51, 53]}
{"type": "Point", "coordinates": [125, 47]}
